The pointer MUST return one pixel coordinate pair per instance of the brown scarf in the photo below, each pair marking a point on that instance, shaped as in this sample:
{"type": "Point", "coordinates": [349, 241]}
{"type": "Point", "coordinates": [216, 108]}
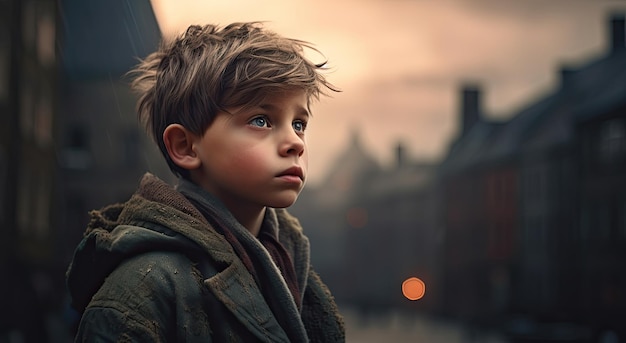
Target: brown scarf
{"type": "Point", "coordinates": [276, 250]}
{"type": "Point", "coordinates": [268, 237]}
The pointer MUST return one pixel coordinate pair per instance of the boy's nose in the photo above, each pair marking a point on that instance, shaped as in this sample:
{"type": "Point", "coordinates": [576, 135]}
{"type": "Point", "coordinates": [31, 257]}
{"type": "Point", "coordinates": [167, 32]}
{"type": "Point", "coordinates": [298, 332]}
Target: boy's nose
{"type": "Point", "coordinates": [291, 144]}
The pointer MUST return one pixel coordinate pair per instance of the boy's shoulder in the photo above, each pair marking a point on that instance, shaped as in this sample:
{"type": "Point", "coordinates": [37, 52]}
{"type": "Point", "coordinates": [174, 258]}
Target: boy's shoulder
{"type": "Point", "coordinates": [141, 298]}
{"type": "Point", "coordinates": [155, 272]}
{"type": "Point", "coordinates": [288, 222]}
{"type": "Point", "coordinates": [290, 230]}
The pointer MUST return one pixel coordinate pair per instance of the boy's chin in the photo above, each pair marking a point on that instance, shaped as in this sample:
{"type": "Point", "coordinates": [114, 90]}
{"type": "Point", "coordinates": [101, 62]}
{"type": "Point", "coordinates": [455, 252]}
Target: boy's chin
{"type": "Point", "coordinates": [284, 202]}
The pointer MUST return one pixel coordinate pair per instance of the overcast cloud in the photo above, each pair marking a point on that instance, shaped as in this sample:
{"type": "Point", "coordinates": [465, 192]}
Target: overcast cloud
{"type": "Point", "coordinates": [400, 63]}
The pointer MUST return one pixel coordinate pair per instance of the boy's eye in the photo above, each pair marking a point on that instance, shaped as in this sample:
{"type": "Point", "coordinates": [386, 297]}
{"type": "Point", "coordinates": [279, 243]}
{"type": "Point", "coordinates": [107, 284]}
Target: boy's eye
{"type": "Point", "coordinates": [299, 126]}
{"type": "Point", "coordinates": [259, 121]}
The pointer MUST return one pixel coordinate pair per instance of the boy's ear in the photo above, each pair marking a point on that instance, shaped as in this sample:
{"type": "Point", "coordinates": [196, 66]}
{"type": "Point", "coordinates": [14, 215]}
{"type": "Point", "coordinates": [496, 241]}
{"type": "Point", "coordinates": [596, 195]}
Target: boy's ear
{"type": "Point", "coordinates": [179, 144]}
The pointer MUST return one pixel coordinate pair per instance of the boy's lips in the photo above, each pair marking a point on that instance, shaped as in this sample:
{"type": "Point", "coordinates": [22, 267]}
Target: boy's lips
{"type": "Point", "coordinates": [293, 172]}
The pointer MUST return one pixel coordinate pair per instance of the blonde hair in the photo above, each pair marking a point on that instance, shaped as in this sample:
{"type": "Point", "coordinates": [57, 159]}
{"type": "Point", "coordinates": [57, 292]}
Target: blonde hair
{"type": "Point", "coordinates": [209, 69]}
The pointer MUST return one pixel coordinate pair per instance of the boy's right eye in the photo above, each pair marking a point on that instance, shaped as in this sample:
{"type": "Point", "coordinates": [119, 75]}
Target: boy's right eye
{"type": "Point", "coordinates": [259, 121]}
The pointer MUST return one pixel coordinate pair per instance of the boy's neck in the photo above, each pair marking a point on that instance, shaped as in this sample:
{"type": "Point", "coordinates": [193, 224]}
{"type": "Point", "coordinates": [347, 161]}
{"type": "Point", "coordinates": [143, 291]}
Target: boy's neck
{"type": "Point", "coordinates": [249, 218]}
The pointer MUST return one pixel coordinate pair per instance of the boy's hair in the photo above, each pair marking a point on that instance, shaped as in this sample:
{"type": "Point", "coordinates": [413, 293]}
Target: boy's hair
{"type": "Point", "coordinates": [209, 69]}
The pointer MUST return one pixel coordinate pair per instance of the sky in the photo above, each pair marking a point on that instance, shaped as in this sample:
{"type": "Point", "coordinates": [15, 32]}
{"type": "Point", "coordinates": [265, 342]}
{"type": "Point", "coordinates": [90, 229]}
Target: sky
{"type": "Point", "coordinates": [401, 63]}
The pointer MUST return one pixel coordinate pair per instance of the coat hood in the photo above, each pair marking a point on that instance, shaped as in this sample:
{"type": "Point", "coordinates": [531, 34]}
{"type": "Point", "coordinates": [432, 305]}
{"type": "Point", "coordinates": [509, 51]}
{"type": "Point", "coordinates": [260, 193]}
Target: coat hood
{"type": "Point", "coordinates": [156, 218]}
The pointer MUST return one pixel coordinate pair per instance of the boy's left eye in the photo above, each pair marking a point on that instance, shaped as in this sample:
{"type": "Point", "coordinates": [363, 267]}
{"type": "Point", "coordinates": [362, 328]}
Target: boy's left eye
{"type": "Point", "coordinates": [299, 126]}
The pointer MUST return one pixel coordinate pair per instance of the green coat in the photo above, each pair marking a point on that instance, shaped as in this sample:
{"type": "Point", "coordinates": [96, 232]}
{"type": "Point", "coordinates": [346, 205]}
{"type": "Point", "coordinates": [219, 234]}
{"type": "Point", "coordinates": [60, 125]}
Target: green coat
{"type": "Point", "coordinates": [153, 270]}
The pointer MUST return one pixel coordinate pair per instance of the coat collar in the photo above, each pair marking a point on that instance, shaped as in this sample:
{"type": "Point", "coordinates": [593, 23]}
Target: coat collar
{"type": "Point", "coordinates": [237, 290]}
{"type": "Point", "coordinates": [234, 284]}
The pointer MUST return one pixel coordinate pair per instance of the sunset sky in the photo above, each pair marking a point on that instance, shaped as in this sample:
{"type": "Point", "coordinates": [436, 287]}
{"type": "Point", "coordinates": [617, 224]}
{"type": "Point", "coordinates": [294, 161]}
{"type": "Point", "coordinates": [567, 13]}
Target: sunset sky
{"type": "Point", "coordinates": [400, 62]}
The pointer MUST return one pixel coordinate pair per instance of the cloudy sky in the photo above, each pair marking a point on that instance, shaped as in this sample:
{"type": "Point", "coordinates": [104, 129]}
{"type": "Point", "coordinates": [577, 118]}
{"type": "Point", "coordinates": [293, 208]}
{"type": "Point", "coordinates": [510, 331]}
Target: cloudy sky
{"type": "Point", "coordinates": [400, 63]}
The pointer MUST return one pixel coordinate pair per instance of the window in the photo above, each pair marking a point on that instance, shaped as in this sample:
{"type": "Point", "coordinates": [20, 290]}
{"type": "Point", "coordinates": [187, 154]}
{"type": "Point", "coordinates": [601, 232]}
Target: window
{"type": "Point", "coordinates": [535, 186]}
{"type": "Point", "coordinates": [622, 218]}
{"type": "Point", "coordinates": [76, 154]}
{"type": "Point", "coordinates": [41, 204]}
{"type": "Point", "coordinates": [46, 40]}
{"type": "Point", "coordinates": [585, 226]}
{"type": "Point", "coordinates": [5, 51]}
{"type": "Point", "coordinates": [29, 17]}
{"type": "Point", "coordinates": [27, 101]}
{"type": "Point", "coordinates": [43, 121]}
{"type": "Point", "coordinates": [4, 179]}
{"type": "Point", "coordinates": [612, 143]}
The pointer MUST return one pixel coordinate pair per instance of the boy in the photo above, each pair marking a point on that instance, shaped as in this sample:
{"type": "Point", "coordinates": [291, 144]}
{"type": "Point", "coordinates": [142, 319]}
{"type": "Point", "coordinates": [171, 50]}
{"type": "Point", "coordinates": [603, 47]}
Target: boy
{"type": "Point", "coordinates": [217, 259]}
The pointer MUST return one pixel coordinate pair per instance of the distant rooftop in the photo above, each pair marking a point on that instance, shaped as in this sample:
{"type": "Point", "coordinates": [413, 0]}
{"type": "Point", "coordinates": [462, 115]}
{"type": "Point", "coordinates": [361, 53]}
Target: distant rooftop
{"type": "Point", "coordinates": [99, 37]}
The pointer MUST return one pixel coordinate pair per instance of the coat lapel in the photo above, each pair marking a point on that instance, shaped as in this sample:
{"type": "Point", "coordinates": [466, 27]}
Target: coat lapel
{"type": "Point", "coordinates": [237, 290]}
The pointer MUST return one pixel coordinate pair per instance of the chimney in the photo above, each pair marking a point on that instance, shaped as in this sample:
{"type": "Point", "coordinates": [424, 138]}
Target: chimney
{"type": "Point", "coordinates": [470, 107]}
{"type": "Point", "coordinates": [617, 32]}
{"type": "Point", "coordinates": [400, 155]}
{"type": "Point", "coordinates": [566, 73]}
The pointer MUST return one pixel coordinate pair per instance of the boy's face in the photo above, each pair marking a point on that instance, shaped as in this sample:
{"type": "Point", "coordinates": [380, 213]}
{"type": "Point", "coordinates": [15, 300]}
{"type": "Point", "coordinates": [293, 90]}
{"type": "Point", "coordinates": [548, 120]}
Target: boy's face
{"type": "Point", "coordinates": [256, 157]}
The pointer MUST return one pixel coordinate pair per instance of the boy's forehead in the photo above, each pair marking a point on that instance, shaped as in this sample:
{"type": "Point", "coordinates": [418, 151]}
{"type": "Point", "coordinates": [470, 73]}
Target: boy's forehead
{"type": "Point", "coordinates": [265, 107]}
{"type": "Point", "coordinates": [273, 101]}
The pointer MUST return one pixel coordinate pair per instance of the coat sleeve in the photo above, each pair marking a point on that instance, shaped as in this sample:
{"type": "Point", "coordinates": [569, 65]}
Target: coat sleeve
{"type": "Point", "coordinates": [320, 313]}
{"type": "Point", "coordinates": [108, 324]}
{"type": "Point", "coordinates": [142, 300]}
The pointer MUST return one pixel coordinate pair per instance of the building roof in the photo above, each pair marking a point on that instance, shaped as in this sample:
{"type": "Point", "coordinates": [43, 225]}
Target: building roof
{"type": "Point", "coordinates": [101, 37]}
{"type": "Point", "coordinates": [606, 79]}
{"type": "Point", "coordinates": [585, 92]}
{"type": "Point", "coordinates": [470, 148]}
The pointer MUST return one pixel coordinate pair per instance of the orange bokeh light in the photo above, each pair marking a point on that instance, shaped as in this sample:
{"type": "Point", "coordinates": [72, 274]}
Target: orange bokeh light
{"type": "Point", "coordinates": [413, 288]}
{"type": "Point", "coordinates": [356, 217]}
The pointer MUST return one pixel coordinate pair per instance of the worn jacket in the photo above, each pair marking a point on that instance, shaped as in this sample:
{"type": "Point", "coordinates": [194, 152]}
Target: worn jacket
{"type": "Point", "coordinates": [155, 270]}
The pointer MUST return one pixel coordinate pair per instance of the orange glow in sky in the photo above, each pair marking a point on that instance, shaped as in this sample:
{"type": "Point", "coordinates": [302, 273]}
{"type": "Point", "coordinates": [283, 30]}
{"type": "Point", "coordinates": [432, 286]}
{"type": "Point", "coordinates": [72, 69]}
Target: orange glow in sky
{"type": "Point", "coordinates": [400, 63]}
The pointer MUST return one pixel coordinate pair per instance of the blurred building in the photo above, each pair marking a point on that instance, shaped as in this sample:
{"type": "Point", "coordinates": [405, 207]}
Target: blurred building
{"type": "Point", "coordinates": [322, 209]}
{"type": "Point", "coordinates": [372, 227]}
{"type": "Point", "coordinates": [28, 76]}
{"type": "Point", "coordinates": [102, 150]}
{"type": "Point", "coordinates": [535, 207]}
{"type": "Point", "coordinates": [392, 224]}
{"type": "Point", "coordinates": [521, 226]}
{"type": "Point", "coordinates": [69, 143]}
{"type": "Point", "coordinates": [479, 214]}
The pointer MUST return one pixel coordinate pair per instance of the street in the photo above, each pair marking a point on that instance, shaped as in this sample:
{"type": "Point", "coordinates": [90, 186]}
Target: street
{"type": "Point", "coordinates": [396, 327]}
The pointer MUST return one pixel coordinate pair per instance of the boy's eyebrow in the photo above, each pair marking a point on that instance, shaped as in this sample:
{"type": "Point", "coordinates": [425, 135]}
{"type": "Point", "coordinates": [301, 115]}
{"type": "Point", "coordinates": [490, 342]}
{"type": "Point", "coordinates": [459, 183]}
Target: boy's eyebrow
{"type": "Point", "coordinates": [271, 107]}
